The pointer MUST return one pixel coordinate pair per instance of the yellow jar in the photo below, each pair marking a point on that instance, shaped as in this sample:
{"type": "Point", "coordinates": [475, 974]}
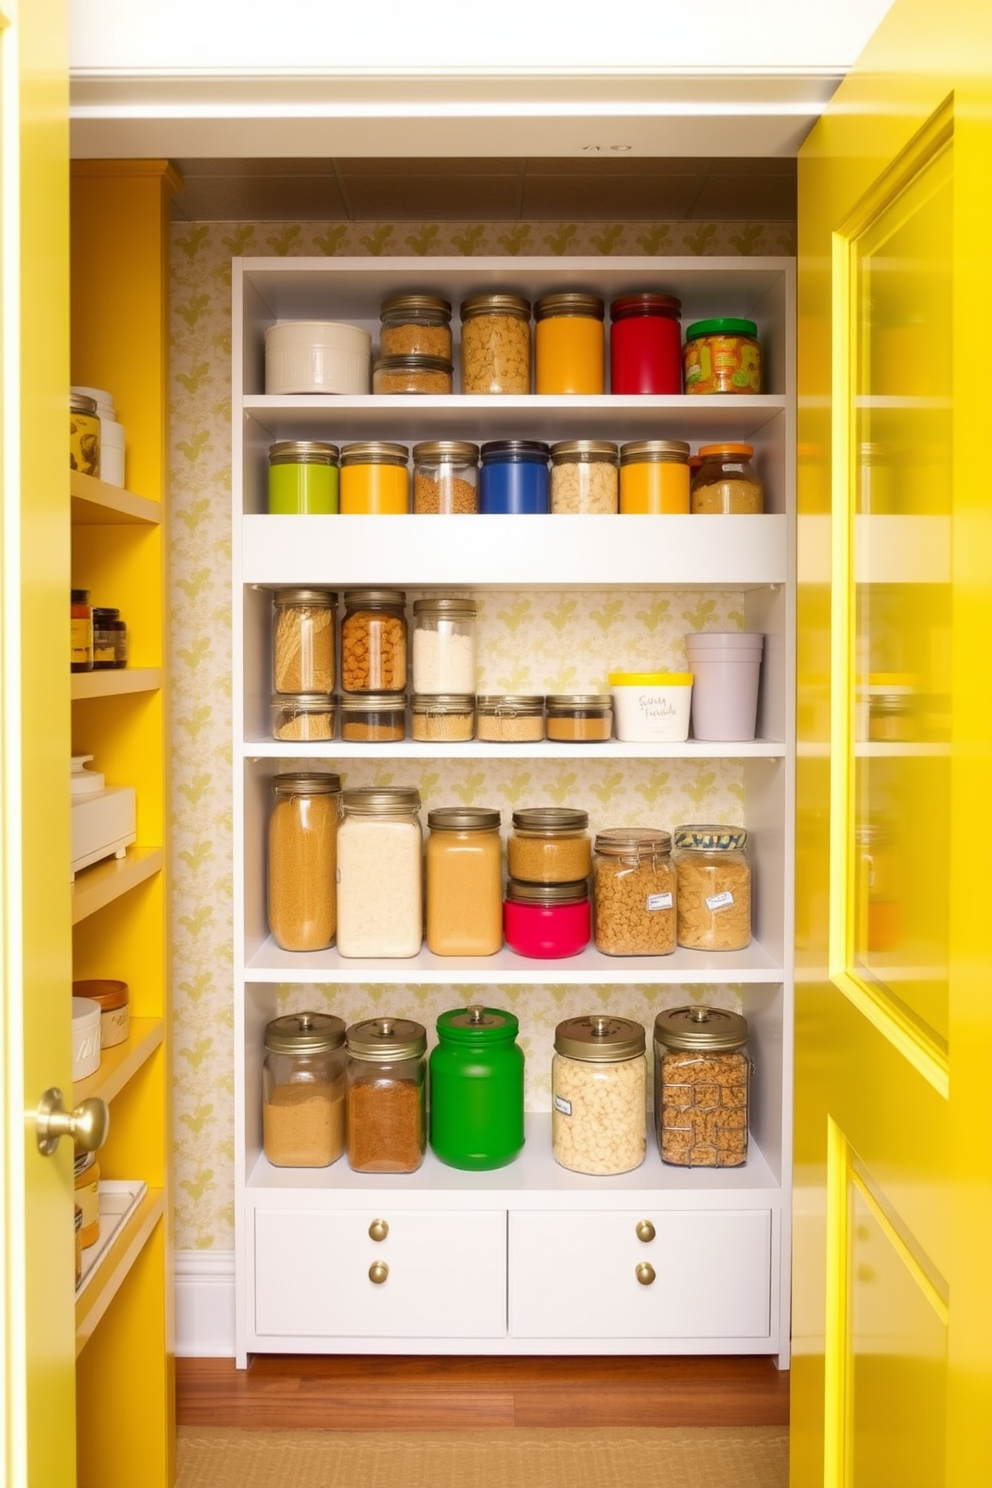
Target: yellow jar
{"type": "Point", "coordinates": [569, 344]}
{"type": "Point", "coordinates": [84, 435]}
{"type": "Point", "coordinates": [87, 1184]}
{"type": "Point", "coordinates": [654, 477]}
{"type": "Point", "coordinates": [464, 882]}
{"type": "Point", "coordinates": [375, 479]}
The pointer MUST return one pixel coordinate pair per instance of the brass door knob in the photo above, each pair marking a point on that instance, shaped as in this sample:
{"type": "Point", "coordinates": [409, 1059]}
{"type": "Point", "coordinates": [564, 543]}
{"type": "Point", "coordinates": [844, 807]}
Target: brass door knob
{"type": "Point", "coordinates": [644, 1272]}
{"type": "Point", "coordinates": [88, 1124]}
{"type": "Point", "coordinates": [378, 1271]}
{"type": "Point", "coordinates": [644, 1230]}
{"type": "Point", "coordinates": [378, 1229]}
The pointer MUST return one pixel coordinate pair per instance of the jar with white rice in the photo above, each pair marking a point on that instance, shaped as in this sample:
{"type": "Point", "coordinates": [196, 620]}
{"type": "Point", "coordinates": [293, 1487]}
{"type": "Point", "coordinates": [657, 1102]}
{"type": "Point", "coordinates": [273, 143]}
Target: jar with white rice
{"type": "Point", "coordinates": [379, 872]}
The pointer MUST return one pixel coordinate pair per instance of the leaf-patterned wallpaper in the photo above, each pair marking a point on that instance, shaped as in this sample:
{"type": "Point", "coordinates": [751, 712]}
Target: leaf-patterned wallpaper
{"type": "Point", "coordinates": [572, 641]}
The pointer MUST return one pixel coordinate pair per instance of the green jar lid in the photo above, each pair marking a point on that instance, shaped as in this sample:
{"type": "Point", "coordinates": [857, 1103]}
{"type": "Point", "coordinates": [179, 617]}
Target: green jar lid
{"type": "Point", "coordinates": [476, 1024]}
{"type": "Point", "coordinates": [724, 325]}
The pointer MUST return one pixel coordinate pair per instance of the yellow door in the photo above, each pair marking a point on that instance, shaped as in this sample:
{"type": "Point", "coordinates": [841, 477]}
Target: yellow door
{"type": "Point", "coordinates": [892, 1324]}
{"type": "Point", "coordinates": [37, 1320]}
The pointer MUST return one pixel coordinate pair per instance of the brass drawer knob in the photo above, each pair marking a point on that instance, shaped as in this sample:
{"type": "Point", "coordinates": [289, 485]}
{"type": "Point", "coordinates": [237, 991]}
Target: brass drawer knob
{"type": "Point", "coordinates": [644, 1230]}
{"type": "Point", "coordinates": [644, 1272]}
{"type": "Point", "coordinates": [378, 1271]}
{"type": "Point", "coordinates": [378, 1229]}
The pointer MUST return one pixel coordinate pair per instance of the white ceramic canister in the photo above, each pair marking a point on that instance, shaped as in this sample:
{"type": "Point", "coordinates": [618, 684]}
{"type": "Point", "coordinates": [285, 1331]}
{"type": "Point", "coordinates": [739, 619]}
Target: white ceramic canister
{"type": "Point", "coordinates": [111, 451]}
{"type": "Point", "coordinates": [726, 668]}
{"type": "Point", "coordinates": [317, 356]}
{"type": "Point", "coordinates": [85, 1037]}
{"type": "Point", "coordinates": [651, 707]}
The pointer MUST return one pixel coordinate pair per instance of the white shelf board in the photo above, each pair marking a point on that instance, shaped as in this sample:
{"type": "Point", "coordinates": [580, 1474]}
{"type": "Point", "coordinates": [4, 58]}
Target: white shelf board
{"type": "Point", "coordinates": [692, 749]}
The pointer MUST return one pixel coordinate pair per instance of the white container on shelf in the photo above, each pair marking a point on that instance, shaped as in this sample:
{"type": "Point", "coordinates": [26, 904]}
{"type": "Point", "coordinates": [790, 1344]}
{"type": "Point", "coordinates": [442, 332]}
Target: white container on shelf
{"type": "Point", "coordinates": [111, 451]}
{"type": "Point", "coordinates": [85, 1037]}
{"type": "Point", "coordinates": [726, 667]}
{"type": "Point", "coordinates": [651, 707]}
{"type": "Point", "coordinates": [317, 356]}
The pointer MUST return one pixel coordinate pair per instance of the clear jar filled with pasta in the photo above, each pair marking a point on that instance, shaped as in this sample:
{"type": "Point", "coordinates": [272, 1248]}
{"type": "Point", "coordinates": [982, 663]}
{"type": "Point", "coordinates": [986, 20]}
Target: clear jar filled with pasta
{"type": "Point", "coordinates": [599, 1095]}
{"type": "Point", "coordinates": [374, 641]}
{"type": "Point", "coordinates": [301, 888]}
{"type": "Point", "coordinates": [634, 892]}
{"type": "Point", "coordinates": [702, 1076]}
{"type": "Point", "coordinates": [303, 640]}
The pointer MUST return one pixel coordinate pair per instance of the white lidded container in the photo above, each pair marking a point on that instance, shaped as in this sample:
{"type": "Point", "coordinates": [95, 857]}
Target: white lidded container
{"type": "Point", "coordinates": [651, 707]}
{"type": "Point", "coordinates": [380, 872]}
{"type": "Point", "coordinates": [111, 434]}
{"type": "Point", "coordinates": [85, 1037]}
{"type": "Point", "coordinates": [317, 356]}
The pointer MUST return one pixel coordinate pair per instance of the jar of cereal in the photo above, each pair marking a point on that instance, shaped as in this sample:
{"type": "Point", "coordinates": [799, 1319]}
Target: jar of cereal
{"type": "Point", "coordinates": [702, 1074]}
{"type": "Point", "coordinates": [714, 888]}
{"type": "Point", "coordinates": [585, 476]}
{"type": "Point", "coordinates": [634, 892]}
{"type": "Point", "coordinates": [495, 347]}
{"type": "Point", "coordinates": [599, 1095]}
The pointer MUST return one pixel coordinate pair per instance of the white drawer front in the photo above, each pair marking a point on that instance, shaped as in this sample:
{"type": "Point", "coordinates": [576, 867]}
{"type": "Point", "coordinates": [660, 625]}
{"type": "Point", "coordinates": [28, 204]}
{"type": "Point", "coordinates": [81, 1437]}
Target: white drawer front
{"type": "Point", "coordinates": [446, 1274]}
{"type": "Point", "coordinates": [573, 1275]}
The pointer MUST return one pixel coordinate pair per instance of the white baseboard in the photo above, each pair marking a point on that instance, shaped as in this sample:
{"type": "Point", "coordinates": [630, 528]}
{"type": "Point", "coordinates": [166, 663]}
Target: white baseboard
{"type": "Point", "coordinates": [205, 1316]}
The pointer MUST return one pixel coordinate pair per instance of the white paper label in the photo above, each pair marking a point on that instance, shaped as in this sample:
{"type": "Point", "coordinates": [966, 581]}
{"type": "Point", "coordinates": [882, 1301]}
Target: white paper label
{"type": "Point", "coordinates": [562, 1106]}
{"type": "Point", "coordinates": [720, 901]}
{"type": "Point", "coordinates": [659, 901]}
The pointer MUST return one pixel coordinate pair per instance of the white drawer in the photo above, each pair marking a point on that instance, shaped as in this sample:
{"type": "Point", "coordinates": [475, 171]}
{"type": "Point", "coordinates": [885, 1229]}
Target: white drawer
{"type": "Point", "coordinates": [446, 1274]}
{"type": "Point", "coordinates": [573, 1275]}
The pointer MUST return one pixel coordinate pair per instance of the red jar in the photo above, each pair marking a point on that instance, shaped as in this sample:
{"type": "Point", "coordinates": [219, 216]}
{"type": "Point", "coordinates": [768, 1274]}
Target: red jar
{"type": "Point", "coordinates": [546, 920]}
{"type": "Point", "coordinates": [645, 344]}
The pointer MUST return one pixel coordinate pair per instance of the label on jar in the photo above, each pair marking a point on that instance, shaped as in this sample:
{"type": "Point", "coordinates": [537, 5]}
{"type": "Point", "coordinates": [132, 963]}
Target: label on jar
{"type": "Point", "coordinates": [658, 901]}
{"type": "Point", "coordinates": [720, 901]}
{"type": "Point", "coordinates": [563, 1106]}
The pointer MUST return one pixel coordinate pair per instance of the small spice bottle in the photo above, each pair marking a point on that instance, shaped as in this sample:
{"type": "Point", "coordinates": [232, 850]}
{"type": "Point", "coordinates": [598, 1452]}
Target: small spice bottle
{"type": "Point", "coordinates": [634, 892]}
{"type": "Point", "coordinates": [387, 1095]}
{"type": "Point", "coordinates": [303, 640]}
{"type": "Point", "coordinates": [477, 1089]}
{"type": "Point", "coordinates": [80, 631]}
{"type": "Point", "coordinates": [86, 1179]}
{"type": "Point", "coordinates": [579, 717]}
{"type": "Point", "coordinates": [119, 628]}
{"type": "Point", "coordinates": [513, 478]}
{"type": "Point", "coordinates": [702, 1075]}
{"type": "Point", "coordinates": [569, 343]}
{"type": "Point", "coordinates": [654, 477]}
{"type": "Point", "coordinates": [303, 715]}
{"type": "Point", "coordinates": [373, 718]}
{"type": "Point", "coordinates": [714, 888]}
{"type": "Point", "coordinates": [464, 881]}
{"type": "Point", "coordinates": [303, 478]}
{"type": "Point", "coordinates": [380, 872]}
{"type": "Point", "coordinates": [303, 1090]}
{"type": "Point", "coordinates": [725, 481]}
{"type": "Point", "coordinates": [113, 999]}
{"type": "Point", "coordinates": [443, 718]}
{"type": "Point", "coordinates": [584, 477]}
{"type": "Point", "coordinates": [879, 908]}
{"type": "Point", "coordinates": [444, 645]}
{"type": "Point", "coordinates": [302, 860]}
{"type": "Point", "coordinates": [104, 639]}
{"type": "Point", "coordinates": [645, 344]}
{"type": "Point", "coordinates": [546, 920]}
{"type": "Point", "coordinates": [722, 356]}
{"type": "Point", "coordinates": [599, 1095]}
{"type": "Point", "coordinates": [375, 479]}
{"type": "Point", "coordinates": [374, 641]}
{"type": "Point", "coordinates": [446, 477]}
{"type": "Point", "coordinates": [549, 844]}
{"type": "Point", "coordinates": [84, 434]}
{"type": "Point", "coordinates": [411, 374]}
{"type": "Point", "coordinates": [509, 717]}
{"type": "Point", "coordinates": [415, 325]}
{"type": "Point", "coordinates": [495, 349]}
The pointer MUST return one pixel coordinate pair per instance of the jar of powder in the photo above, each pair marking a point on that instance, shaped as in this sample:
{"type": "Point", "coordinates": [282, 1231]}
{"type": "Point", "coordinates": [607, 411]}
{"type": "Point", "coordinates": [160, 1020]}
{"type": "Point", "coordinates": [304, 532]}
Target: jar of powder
{"type": "Point", "coordinates": [302, 860]}
{"type": "Point", "coordinates": [387, 1095]}
{"type": "Point", "coordinates": [380, 872]}
{"type": "Point", "coordinates": [303, 1090]}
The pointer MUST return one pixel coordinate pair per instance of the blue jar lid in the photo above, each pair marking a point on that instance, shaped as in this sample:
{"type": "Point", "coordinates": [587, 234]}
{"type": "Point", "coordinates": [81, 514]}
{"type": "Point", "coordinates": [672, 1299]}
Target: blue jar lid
{"type": "Point", "coordinates": [515, 449]}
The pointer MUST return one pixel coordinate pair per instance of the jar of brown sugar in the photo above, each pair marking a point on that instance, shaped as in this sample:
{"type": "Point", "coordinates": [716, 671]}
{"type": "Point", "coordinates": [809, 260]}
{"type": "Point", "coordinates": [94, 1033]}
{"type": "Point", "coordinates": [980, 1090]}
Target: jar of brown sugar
{"type": "Point", "coordinates": [303, 1090]}
{"type": "Point", "coordinates": [374, 641]}
{"type": "Point", "coordinates": [302, 860]}
{"type": "Point", "coordinates": [387, 1095]}
{"type": "Point", "coordinates": [634, 892]}
{"type": "Point", "coordinates": [415, 325]}
{"type": "Point", "coordinates": [411, 374]}
{"type": "Point", "coordinates": [303, 640]}
{"type": "Point", "coordinates": [549, 844]}
{"type": "Point", "coordinates": [579, 717]}
{"type": "Point", "coordinates": [509, 718]}
{"type": "Point", "coordinates": [373, 718]}
{"type": "Point", "coordinates": [714, 888]}
{"type": "Point", "coordinates": [702, 1075]}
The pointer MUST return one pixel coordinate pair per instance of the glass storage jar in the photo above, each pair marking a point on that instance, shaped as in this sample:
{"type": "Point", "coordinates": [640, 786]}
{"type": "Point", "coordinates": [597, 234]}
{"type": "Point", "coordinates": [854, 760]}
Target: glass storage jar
{"type": "Point", "coordinates": [495, 349]}
{"type": "Point", "coordinates": [375, 479]}
{"type": "Point", "coordinates": [411, 374]}
{"type": "Point", "coordinates": [374, 641]}
{"type": "Point", "coordinates": [599, 1095]}
{"type": "Point", "coordinates": [546, 920]}
{"type": "Point", "coordinates": [387, 1095]}
{"type": "Point", "coordinates": [104, 639]}
{"type": "Point", "coordinates": [415, 325]}
{"type": "Point", "coordinates": [549, 844]}
{"type": "Point", "coordinates": [303, 478]}
{"type": "Point", "coordinates": [443, 718]}
{"type": "Point", "coordinates": [725, 481]}
{"type": "Point", "coordinates": [654, 477]}
{"type": "Point", "coordinates": [373, 718]}
{"type": "Point", "coordinates": [579, 717]}
{"type": "Point", "coordinates": [634, 892]}
{"type": "Point", "coordinates": [303, 640]}
{"type": "Point", "coordinates": [722, 356]}
{"type": "Point", "coordinates": [307, 716]}
{"type": "Point", "coordinates": [645, 344]}
{"type": "Point", "coordinates": [301, 873]}
{"type": "Point", "coordinates": [879, 911]}
{"type": "Point", "coordinates": [86, 1182]}
{"type": "Point", "coordinates": [513, 478]}
{"type": "Point", "coordinates": [444, 645]}
{"type": "Point", "coordinates": [80, 631]}
{"type": "Point", "coordinates": [584, 477]}
{"type": "Point", "coordinates": [464, 881]}
{"type": "Point", "coordinates": [702, 1075]}
{"type": "Point", "coordinates": [380, 875]}
{"type": "Point", "coordinates": [303, 1090]}
{"type": "Point", "coordinates": [446, 477]}
{"type": "Point", "coordinates": [714, 888]}
{"type": "Point", "coordinates": [569, 343]}
{"type": "Point", "coordinates": [509, 717]}
{"type": "Point", "coordinates": [476, 1117]}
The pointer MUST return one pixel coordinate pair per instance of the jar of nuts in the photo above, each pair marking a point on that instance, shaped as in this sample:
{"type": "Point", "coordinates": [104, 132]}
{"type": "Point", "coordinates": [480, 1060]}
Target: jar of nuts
{"type": "Point", "coordinates": [374, 641]}
{"type": "Point", "coordinates": [599, 1095]}
{"type": "Point", "coordinates": [634, 892]}
{"type": "Point", "coordinates": [415, 325]}
{"type": "Point", "coordinates": [446, 477]}
{"type": "Point", "coordinates": [702, 1074]}
{"type": "Point", "coordinates": [585, 476]}
{"type": "Point", "coordinates": [495, 347]}
{"type": "Point", "coordinates": [714, 888]}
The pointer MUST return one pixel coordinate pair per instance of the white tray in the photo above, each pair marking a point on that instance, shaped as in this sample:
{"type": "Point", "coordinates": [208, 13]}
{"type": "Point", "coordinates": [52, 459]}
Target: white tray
{"type": "Point", "coordinates": [118, 1200]}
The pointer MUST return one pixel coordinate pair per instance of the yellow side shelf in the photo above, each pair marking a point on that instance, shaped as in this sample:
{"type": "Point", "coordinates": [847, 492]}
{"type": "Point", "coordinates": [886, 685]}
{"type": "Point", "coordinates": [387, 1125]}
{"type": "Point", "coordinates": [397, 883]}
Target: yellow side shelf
{"type": "Point", "coordinates": [102, 883]}
{"type": "Point", "coordinates": [96, 503]}
{"type": "Point", "coordinates": [115, 1265]}
{"type": "Point", "coordinates": [121, 1062]}
{"type": "Point", "coordinates": [115, 683]}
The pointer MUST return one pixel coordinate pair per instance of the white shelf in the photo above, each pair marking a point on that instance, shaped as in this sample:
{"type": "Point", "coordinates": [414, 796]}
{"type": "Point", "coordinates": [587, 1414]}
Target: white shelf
{"type": "Point", "coordinates": [692, 749]}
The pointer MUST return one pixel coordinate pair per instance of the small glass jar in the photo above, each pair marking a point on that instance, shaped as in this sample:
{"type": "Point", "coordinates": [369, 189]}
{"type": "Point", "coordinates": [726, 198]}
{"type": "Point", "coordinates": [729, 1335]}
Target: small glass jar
{"type": "Point", "coordinates": [87, 1189]}
{"type": "Point", "coordinates": [634, 892]}
{"type": "Point", "coordinates": [373, 718]}
{"type": "Point", "coordinates": [442, 718]}
{"type": "Point", "coordinates": [446, 477]}
{"type": "Point", "coordinates": [444, 645]}
{"type": "Point", "coordinates": [509, 718]}
{"type": "Point", "coordinates": [725, 481]}
{"type": "Point", "coordinates": [375, 479]}
{"type": "Point", "coordinates": [549, 844]}
{"type": "Point", "coordinates": [411, 374]}
{"type": "Point", "coordinates": [80, 631]}
{"type": "Point", "coordinates": [513, 478]}
{"type": "Point", "coordinates": [374, 641]}
{"type": "Point", "coordinates": [477, 1089]}
{"type": "Point", "coordinates": [387, 1095]}
{"type": "Point", "coordinates": [645, 344]}
{"type": "Point", "coordinates": [879, 910]}
{"type": "Point", "coordinates": [119, 628]}
{"type": "Point", "coordinates": [722, 356]}
{"type": "Point", "coordinates": [303, 1090]}
{"type": "Point", "coordinates": [546, 921]}
{"type": "Point", "coordinates": [599, 1095]}
{"type": "Point", "coordinates": [303, 640]}
{"type": "Point", "coordinates": [569, 343]}
{"type": "Point", "coordinates": [495, 349]}
{"type": "Point", "coordinates": [306, 716]}
{"type": "Point", "coordinates": [584, 477]}
{"type": "Point", "coordinates": [84, 435]}
{"type": "Point", "coordinates": [113, 999]}
{"type": "Point", "coordinates": [714, 888]}
{"type": "Point", "coordinates": [464, 881]}
{"type": "Point", "coordinates": [415, 325]}
{"type": "Point", "coordinates": [579, 717]}
{"type": "Point", "coordinates": [380, 872]}
{"type": "Point", "coordinates": [302, 860]}
{"type": "Point", "coordinates": [702, 1076]}
{"type": "Point", "coordinates": [104, 639]}
{"type": "Point", "coordinates": [654, 477]}
{"type": "Point", "coordinates": [303, 478]}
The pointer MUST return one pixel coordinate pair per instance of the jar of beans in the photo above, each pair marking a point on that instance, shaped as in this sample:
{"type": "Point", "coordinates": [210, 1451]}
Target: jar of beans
{"type": "Point", "coordinates": [495, 350]}
{"type": "Point", "coordinates": [303, 1090]}
{"type": "Point", "coordinates": [374, 641]}
{"type": "Point", "coordinates": [387, 1095]}
{"type": "Point", "coordinates": [549, 844]}
{"type": "Point", "coordinates": [634, 892]}
{"type": "Point", "coordinates": [702, 1075]}
{"type": "Point", "coordinates": [599, 1095]}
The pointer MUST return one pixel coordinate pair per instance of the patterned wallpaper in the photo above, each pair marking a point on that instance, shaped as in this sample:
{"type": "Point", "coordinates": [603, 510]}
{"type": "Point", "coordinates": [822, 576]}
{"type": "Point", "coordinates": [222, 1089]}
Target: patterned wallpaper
{"type": "Point", "coordinates": [601, 629]}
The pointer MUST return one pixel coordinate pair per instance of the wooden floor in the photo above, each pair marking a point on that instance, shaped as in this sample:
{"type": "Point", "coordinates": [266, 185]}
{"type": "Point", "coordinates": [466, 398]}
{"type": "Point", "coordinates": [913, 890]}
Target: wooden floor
{"type": "Point", "coordinates": [383, 1393]}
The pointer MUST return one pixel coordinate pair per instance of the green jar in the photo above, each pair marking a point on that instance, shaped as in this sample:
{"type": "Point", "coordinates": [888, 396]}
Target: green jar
{"type": "Point", "coordinates": [477, 1089]}
{"type": "Point", "coordinates": [303, 478]}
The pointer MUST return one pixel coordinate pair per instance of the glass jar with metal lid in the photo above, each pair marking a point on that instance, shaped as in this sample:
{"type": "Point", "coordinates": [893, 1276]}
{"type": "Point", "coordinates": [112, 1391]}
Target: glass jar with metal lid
{"type": "Point", "coordinates": [634, 892]}
{"type": "Point", "coordinates": [495, 349]}
{"type": "Point", "coordinates": [464, 881]}
{"type": "Point", "coordinates": [477, 1089]}
{"type": "Point", "coordinates": [654, 477]}
{"type": "Point", "coordinates": [549, 844]}
{"type": "Point", "coordinates": [444, 645]}
{"type": "Point", "coordinates": [446, 477]}
{"type": "Point", "coordinates": [513, 477]}
{"type": "Point", "coordinates": [415, 325]}
{"type": "Point", "coordinates": [104, 638]}
{"type": "Point", "coordinates": [303, 640]}
{"type": "Point", "coordinates": [374, 641]}
{"type": "Point", "coordinates": [411, 374]}
{"type": "Point", "coordinates": [380, 872]}
{"type": "Point", "coordinates": [569, 343]}
{"type": "Point", "coordinates": [645, 344]}
{"type": "Point", "coordinates": [509, 717]}
{"type": "Point", "coordinates": [546, 920]}
{"type": "Point", "coordinates": [599, 1095]}
{"type": "Point", "coordinates": [579, 717]}
{"type": "Point", "coordinates": [387, 1095]}
{"type": "Point", "coordinates": [373, 717]}
{"type": "Point", "coordinates": [714, 888]}
{"type": "Point", "coordinates": [84, 434]}
{"type": "Point", "coordinates": [702, 1076]}
{"type": "Point", "coordinates": [722, 355]}
{"type": "Point", "coordinates": [303, 1090]}
{"type": "Point", "coordinates": [442, 718]}
{"type": "Point", "coordinates": [86, 1183]}
{"type": "Point", "coordinates": [584, 477]}
{"type": "Point", "coordinates": [302, 860]}
{"type": "Point", "coordinates": [725, 481]}
{"type": "Point", "coordinates": [303, 716]}
{"type": "Point", "coordinates": [303, 477]}
{"type": "Point", "coordinates": [375, 479]}
{"type": "Point", "coordinates": [879, 908]}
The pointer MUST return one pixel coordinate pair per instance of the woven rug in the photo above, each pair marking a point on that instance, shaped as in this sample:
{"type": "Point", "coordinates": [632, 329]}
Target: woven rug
{"type": "Point", "coordinates": [664, 1457]}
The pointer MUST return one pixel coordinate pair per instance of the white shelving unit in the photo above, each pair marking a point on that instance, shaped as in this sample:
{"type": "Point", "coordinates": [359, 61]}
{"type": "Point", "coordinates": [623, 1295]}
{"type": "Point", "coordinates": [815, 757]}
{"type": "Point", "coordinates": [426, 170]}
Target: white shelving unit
{"type": "Point", "coordinates": [529, 1259]}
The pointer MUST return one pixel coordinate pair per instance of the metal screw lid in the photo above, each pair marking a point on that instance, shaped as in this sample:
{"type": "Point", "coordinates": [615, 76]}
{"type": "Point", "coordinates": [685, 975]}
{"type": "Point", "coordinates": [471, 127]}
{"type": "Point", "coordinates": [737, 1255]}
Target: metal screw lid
{"type": "Point", "coordinates": [579, 700]}
{"type": "Point", "coordinates": [326, 598]}
{"type": "Point", "coordinates": [306, 702]}
{"type": "Point", "coordinates": [495, 304]}
{"type": "Point", "coordinates": [363, 599]}
{"type": "Point", "coordinates": [387, 1039]}
{"type": "Point", "coordinates": [398, 305]}
{"type": "Point", "coordinates": [306, 783]}
{"type": "Point", "coordinates": [380, 800]}
{"type": "Point", "coordinates": [463, 819]}
{"type": "Point", "coordinates": [585, 451]}
{"type": "Point", "coordinates": [520, 891]}
{"type": "Point", "coordinates": [411, 362]}
{"type": "Point", "coordinates": [442, 702]}
{"type": "Point", "coordinates": [374, 452]}
{"type": "Point", "coordinates": [645, 304]}
{"type": "Point", "coordinates": [508, 704]}
{"type": "Point", "coordinates": [600, 1039]}
{"type": "Point", "coordinates": [699, 1027]}
{"type": "Point", "coordinates": [550, 819]}
{"type": "Point", "coordinates": [303, 452]}
{"type": "Point", "coordinates": [449, 605]}
{"type": "Point", "coordinates": [79, 403]}
{"type": "Point", "coordinates": [569, 302]}
{"type": "Point", "coordinates": [304, 1033]}
{"type": "Point", "coordinates": [653, 451]}
{"type": "Point", "coordinates": [446, 451]}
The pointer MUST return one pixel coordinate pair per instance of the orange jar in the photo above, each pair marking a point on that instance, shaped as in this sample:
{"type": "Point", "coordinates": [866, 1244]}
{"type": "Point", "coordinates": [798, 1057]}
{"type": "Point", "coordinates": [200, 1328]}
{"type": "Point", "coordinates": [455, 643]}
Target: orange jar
{"type": "Point", "coordinates": [569, 344]}
{"type": "Point", "coordinates": [375, 479]}
{"type": "Point", "coordinates": [654, 477]}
